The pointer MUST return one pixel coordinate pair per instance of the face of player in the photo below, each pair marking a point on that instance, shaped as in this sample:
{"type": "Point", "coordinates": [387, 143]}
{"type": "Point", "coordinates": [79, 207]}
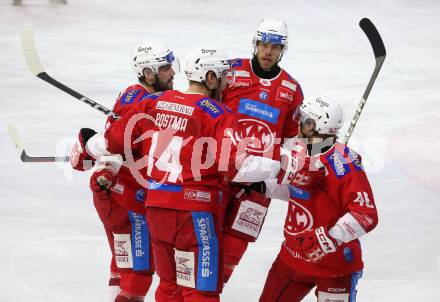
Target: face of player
{"type": "Point", "coordinates": [268, 54]}
{"type": "Point", "coordinates": [307, 128]}
{"type": "Point", "coordinates": [216, 84]}
{"type": "Point", "coordinates": [164, 78]}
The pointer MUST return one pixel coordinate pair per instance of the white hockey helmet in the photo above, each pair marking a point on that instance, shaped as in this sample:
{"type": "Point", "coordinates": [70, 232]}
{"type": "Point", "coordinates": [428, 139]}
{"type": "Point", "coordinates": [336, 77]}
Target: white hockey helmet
{"type": "Point", "coordinates": [153, 55]}
{"type": "Point", "coordinates": [271, 31]}
{"type": "Point", "coordinates": [201, 60]}
{"type": "Point", "coordinates": [327, 114]}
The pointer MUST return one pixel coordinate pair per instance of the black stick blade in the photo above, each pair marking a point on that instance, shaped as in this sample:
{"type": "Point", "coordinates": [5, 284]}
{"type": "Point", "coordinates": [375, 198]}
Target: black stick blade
{"type": "Point", "coordinates": [374, 37]}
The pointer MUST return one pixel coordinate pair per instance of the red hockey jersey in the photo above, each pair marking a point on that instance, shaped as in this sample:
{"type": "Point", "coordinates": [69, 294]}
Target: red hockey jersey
{"type": "Point", "coordinates": [265, 107]}
{"type": "Point", "coordinates": [126, 191]}
{"type": "Point", "coordinates": [185, 142]}
{"type": "Point", "coordinates": [337, 194]}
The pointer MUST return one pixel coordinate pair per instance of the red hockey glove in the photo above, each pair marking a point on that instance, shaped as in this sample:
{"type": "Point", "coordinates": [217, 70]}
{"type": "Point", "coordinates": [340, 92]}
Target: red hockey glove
{"type": "Point", "coordinates": [100, 183]}
{"type": "Point", "coordinates": [316, 243]}
{"type": "Point", "coordinates": [79, 158]}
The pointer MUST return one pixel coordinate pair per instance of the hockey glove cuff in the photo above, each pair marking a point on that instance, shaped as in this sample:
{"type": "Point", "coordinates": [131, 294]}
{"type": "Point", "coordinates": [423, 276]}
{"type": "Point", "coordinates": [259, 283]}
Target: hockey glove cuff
{"type": "Point", "coordinates": [79, 158]}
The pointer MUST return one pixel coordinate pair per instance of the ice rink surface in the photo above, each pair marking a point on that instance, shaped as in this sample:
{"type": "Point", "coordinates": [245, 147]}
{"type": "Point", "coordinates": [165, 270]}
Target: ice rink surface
{"type": "Point", "coordinates": [53, 247]}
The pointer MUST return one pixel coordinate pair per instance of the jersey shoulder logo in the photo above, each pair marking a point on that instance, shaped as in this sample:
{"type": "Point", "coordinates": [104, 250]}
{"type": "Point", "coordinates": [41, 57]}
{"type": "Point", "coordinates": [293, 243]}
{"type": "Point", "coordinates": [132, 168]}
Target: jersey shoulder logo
{"type": "Point", "coordinates": [210, 106]}
{"type": "Point", "coordinates": [153, 96]}
{"type": "Point", "coordinates": [129, 96]}
{"type": "Point", "coordinates": [289, 85]}
{"type": "Point", "coordinates": [236, 62]}
{"type": "Point", "coordinates": [338, 164]}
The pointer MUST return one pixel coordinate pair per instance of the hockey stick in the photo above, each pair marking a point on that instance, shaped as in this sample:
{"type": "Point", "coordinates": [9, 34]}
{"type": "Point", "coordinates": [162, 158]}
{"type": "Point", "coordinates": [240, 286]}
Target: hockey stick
{"type": "Point", "coordinates": [34, 64]}
{"type": "Point", "coordinates": [380, 54]}
{"type": "Point", "coordinates": [13, 135]}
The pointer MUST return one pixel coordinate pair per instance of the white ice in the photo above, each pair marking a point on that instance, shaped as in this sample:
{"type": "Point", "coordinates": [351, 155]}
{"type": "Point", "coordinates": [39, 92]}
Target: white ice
{"type": "Point", "coordinates": [53, 246]}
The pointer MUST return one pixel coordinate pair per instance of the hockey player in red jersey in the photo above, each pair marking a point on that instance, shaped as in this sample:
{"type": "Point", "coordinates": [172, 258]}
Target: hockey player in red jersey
{"type": "Point", "coordinates": [187, 140]}
{"type": "Point", "coordinates": [330, 206]}
{"type": "Point", "coordinates": [118, 198]}
{"type": "Point", "coordinates": [265, 97]}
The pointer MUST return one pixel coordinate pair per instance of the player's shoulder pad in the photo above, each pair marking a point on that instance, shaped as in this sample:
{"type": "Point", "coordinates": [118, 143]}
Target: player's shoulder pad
{"type": "Point", "coordinates": [132, 94]}
{"type": "Point", "coordinates": [237, 62]}
{"type": "Point", "coordinates": [212, 107]}
{"type": "Point", "coordinates": [342, 161]}
{"type": "Point", "coordinates": [289, 82]}
{"type": "Point", "coordinates": [355, 159]}
{"type": "Point", "coordinates": [151, 96]}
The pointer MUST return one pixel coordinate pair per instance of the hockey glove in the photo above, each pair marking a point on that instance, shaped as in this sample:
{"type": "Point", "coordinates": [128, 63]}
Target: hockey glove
{"type": "Point", "coordinates": [79, 158]}
{"type": "Point", "coordinates": [104, 177]}
{"type": "Point", "coordinates": [100, 183]}
{"type": "Point", "coordinates": [316, 244]}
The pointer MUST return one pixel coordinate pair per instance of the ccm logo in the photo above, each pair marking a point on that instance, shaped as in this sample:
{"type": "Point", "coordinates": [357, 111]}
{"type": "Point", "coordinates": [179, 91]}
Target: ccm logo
{"type": "Point", "coordinates": [326, 244]}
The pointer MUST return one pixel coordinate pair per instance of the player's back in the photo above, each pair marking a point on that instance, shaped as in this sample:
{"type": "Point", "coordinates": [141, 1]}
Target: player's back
{"type": "Point", "coordinates": [184, 148]}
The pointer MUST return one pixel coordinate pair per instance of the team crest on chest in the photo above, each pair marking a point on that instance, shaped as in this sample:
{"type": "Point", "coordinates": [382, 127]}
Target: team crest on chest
{"type": "Point", "coordinates": [299, 218]}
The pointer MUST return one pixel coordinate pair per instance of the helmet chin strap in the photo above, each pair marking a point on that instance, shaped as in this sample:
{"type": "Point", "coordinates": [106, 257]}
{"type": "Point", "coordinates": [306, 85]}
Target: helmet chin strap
{"type": "Point", "coordinates": [281, 56]}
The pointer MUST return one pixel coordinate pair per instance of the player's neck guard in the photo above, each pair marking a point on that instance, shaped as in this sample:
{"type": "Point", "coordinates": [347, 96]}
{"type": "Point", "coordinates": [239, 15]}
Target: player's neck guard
{"type": "Point", "coordinates": [264, 74]}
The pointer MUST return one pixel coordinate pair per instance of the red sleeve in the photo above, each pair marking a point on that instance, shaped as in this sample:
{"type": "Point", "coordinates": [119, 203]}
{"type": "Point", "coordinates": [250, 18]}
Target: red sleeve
{"type": "Point", "coordinates": [354, 192]}
{"type": "Point", "coordinates": [137, 119]}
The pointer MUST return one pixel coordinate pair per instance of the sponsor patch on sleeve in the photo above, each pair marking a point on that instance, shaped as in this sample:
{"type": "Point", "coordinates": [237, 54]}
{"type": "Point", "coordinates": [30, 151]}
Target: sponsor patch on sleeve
{"type": "Point", "coordinates": [210, 107]}
{"type": "Point", "coordinates": [242, 73]}
{"type": "Point", "coordinates": [129, 96]}
{"type": "Point", "coordinates": [236, 62]}
{"type": "Point", "coordinates": [289, 85]}
{"type": "Point", "coordinates": [152, 96]}
{"type": "Point", "coordinates": [355, 159]}
{"type": "Point", "coordinates": [338, 163]}
{"type": "Point", "coordinates": [259, 110]}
